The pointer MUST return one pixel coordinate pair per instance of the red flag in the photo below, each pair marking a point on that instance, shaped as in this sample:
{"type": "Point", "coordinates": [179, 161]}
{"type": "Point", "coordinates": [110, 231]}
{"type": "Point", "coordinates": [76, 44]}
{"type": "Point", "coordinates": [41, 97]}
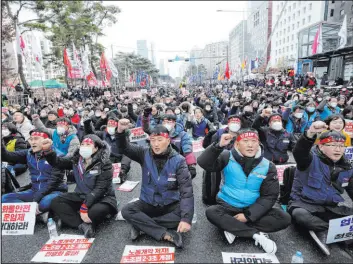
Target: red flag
{"type": "Point", "coordinates": [317, 44]}
{"type": "Point", "coordinates": [106, 71]}
{"type": "Point", "coordinates": [226, 74]}
{"type": "Point", "coordinates": [67, 63]}
{"type": "Point", "coordinates": [91, 79]}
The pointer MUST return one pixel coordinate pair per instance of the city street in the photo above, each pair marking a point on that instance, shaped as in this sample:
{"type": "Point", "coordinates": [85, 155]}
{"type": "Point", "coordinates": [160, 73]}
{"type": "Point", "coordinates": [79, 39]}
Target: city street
{"type": "Point", "coordinates": [204, 244]}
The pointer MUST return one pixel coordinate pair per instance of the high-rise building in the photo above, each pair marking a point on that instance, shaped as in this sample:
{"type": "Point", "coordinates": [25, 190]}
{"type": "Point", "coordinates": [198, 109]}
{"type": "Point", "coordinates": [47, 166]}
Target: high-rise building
{"type": "Point", "coordinates": [142, 48]}
{"type": "Point", "coordinates": [153, 54]}
{"type": "Point", "coordinates": [336, 10]}
{"type": "Point", "coordinates": [239, 44]}
{"type": "Point", "coordinates": [296, 16]}
{"type": "Point", "coordinates": [212, 55]}
{"type": "Point", "coordinates": [162, 67]}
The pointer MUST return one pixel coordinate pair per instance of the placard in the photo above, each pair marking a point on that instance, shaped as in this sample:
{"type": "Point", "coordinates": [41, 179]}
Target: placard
{"type": "Point", "coordinates": [116, 172]}
{"type": "Point", "coordinates": [349, 127]}
{"type": "Point", "coordinates": [249, 258]}
{"type": "Point", "coordinates": [128, 186]}
{"type": "Point", "coordinates": [143, 91]}
{"type": "Point", "coordinates": [197, 145]}
{"type": "Point", "coordinates": [64, 249]}
{"type": "Point", "coordinates": [348, 154]}
{"type": "Point", "coordinates": [18, 218]}
{"type": "Point", "coordinates": [147, 254]}
{"type": "Point", "coordinates": [340, 229]}
{"type": "Point", "coordinates": [137, 134]}
{"type": "Point", "coordinates": [107, 93]}
{"type": "Point", "coordinates": [280, 171]}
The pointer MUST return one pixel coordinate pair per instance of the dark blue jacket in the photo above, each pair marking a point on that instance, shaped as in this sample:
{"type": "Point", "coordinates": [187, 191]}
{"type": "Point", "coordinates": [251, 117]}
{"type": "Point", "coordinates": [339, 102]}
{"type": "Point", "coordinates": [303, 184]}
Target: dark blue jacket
{"type": "Point", "coordinates": [199, 129]}
{"type": "Point", "coordinates": [172, 184]}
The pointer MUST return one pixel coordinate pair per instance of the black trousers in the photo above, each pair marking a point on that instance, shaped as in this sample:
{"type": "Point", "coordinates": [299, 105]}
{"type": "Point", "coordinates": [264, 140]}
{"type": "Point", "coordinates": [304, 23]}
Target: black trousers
{"type": "Point", "coordinates": [152, 220]}
{"type": "Point", "coordinates": [68, 211]}
{"type": "Point", "coordinates": [223, 218]}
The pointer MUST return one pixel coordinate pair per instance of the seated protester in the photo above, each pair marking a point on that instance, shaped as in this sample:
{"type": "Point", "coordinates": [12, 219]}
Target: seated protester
{"type": "Point", "coordinates": [166, 199]}
{"type": "Point", "coordinates": [276, 140]}
{"type": "Point", "coordinates": [5, 116]}
{"type": "Point", "coordinates": [234, 125]}
{"type": "Point", "coordinates": [23, 125]}
{"type": "Point", "coordinates": [43, 115]}
{"type": "Point", "coordinates": [337, 123]}
{"type": "Point", "coordinates": [14, 141]}
{"type": "Point", "coordinates": [181, 118]}
{"type": "Point", "coordinates": [247, 116]}
{"type": "Point", "coordinates": [65, 140]}
{"type": "Point", "coordinates": [320, 179]}
{"type": "Point", "coordinates": [52, 117]}
{"type": "Point", "coordinates": [179, 138]}
{"type": "Point", "coordinates": [310, 114]}
{"type": "Point", "coordinates": [295, 122]}
{"type": "Point", "coordinates": [211, 113]}
{"type": "Point", "coordinates": [108, 136]}
{"type": "Point", "coordinates": [46, 182]}
{"type": "Point", "coordinates": [154, 116]}
{"type": "Point", "coordinates": [94, 195]}
{"type": "Point", "coordinates": [199, 124]}
{"type": "Point", "coordinates": [328, 108]}
{"type": "Point", "coordinates": [248, 192]}
{"type": "Point", "coordinates": [170, 111]}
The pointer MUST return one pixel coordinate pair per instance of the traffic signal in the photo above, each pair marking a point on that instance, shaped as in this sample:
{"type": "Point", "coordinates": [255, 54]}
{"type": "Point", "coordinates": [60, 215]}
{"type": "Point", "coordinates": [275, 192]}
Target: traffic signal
{"type": "Point", "coordinates": [170, 60]}
{"type": "Point", "coordinates": [187, 59]}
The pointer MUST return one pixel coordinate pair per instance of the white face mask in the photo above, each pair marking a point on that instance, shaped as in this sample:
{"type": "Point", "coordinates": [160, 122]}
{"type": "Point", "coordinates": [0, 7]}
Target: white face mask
{"type": "Point", "coordinates": [208, 108]}
{"type": "Point", "coordinates": [298, 115]}
{"type": "Point", "coordinates": [168, 126]}
{"type": "Point", "coordinates": [79, 108]}
{"type": "Point", "coordinates": [276, 126]}
{"type": "Point", "coordinates": [5, 132]}
{"type": "Point", "coordinates": [310, 109]}
{"type": "Point", "coordinates": [111, 130]}
{"type": "Point", "coordinates": [86, 152]}
{"type": "Point", "coordinates": [134, 107]}
{"type": "Point", "coordinates": [234, 127]}
{"type": "Point", "coordinates": [60, 130]}
{"type": "Point", "coordinates": [333, 104]}
{"type": "Point", "coordinates": [177, 112]}
{"type": "Point", "coordinates": [98, 114]}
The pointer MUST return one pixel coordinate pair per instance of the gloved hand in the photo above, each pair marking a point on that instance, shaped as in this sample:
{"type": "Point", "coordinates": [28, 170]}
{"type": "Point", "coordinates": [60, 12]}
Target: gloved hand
{"type": "Point", "coordinates": [147, 111]}
{"type": "Point", "coordinates": [192, 170]}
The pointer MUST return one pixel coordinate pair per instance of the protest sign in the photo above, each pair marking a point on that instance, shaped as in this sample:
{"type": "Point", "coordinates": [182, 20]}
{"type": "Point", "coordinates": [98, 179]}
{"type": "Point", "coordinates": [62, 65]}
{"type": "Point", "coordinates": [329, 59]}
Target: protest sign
{"type": "Point", "coordinates": [128, 186]}
{"type": "Point", "coordinates": [340, 229]}
{"type": "Point", "coordinates": [197, 145]}
{"type": "Point", "coordinates": [349, 154]}
{"type": "Point", "coordinates": [349, 127]}
{"type": "Point", "coordinates": [116, 172]}
{"type": "Point", "coordinates": [107, 93]}
{"type": "Point", "coordinates": [143, 91]}
{"type": "Point", "coordinates": [280, 170]}
{"type": "Point", "coordinates": [18, 218]}
{"type": "Point", "coordinates": [249, 258]}
{"type": "Point", "coordinates": [147, 254]}
{"type": "Point", "coordinates": [137, 134]}
{"type": "Point", "coordinates": [64, 249]}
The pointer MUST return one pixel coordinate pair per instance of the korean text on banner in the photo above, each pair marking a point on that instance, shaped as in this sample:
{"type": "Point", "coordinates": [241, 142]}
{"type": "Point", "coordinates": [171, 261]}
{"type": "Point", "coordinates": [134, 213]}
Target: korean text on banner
{"type": "Point", "coordinates": [249, 258]}
{"type": "Point", "coordinates": [340, 229]}
{"type": "Point", "coordinates": [197, 145]}
{"type": "Point", "coordinates": [18, 218]}
{"type": "Point", "coordinates": [349, 127]}
{"type": "Point", "coordinates": [147, 254]}
{"type": "Point", "coordinates": [349, 154]}
{"type": "Point", "coordinates": [280, 171]}
{"type": "Point", "coordinates": [116, 172]}
{"type": "Point", "coordinates": [64, 249]}
{"type": "Point", "coordinates": [137, 134]}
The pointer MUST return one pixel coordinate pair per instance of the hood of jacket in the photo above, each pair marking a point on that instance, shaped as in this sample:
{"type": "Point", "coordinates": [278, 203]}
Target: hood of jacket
{"type": "Point", "coordinates": [177, 129]}
{"type": "Point", "coordinates": [102, 155]}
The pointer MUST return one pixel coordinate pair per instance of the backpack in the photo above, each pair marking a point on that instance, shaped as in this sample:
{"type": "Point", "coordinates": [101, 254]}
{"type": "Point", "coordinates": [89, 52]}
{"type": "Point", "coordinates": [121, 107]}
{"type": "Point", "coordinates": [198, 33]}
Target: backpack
{"type": "Point", "coordinates": [286, 188]}
{"type": "Point", "coordinates": [210, 186]}
{"type": "Point", "coordinates": [9, 183]}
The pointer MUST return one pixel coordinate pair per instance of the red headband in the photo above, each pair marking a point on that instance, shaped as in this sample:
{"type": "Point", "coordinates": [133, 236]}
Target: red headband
{"type": "Point", "coordinates": [64, 123]}
{"type": "Point", "coordinates": [234, 119]}
{"type": "Point", "coordinates": [88, 141]}
{"type": "Point", "coordinates": [276, 117]}
{"type": "Point", "coordinates": [166, 135]}
{"type": "Point", "coordinates": [39, 134]}
{"type": "Point", "coordinates": [248, 135]}
{"type": "Point", "coordinates": [331, 139]}
{"type": "Point", "coordinates": [113, 123]}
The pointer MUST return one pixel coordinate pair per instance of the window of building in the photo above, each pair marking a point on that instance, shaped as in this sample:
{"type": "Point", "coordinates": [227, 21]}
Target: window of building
{"type": "Point", "coordinates": [304, 9]}
{"type": "Point", "coordinates": [293, 26]}
{"type": "Point", "coordinates": [291, 47]}
{"type": "Point", "coordinates": [287, 48]}
{"type": "Point", "coordinates": [310, 6]}
{"type": "Point", "coordinates": [351, 19]}
{"type": "Point", "coordinates": [292, 36]}
{"type": "Point", "coordinates": [342, 12]}
{"type": "Point", "coordinates": [298, 13]}
{"type": "Point", "coordinates": [294, 5]}
{"type": "Point", "coordinates": [279, 51]}
{"type": "Point", "coordinates": [288, 19]}
{"type": "Point", "coordinates": [333, 2]}
{"type": "Point", "coordinates": [298, 24]}
{"type": "Point", "coordinates": [331, 12]}
{"type": "Point", "coordinates": [277, 35]}
{"type": "Point", "coordinates": [288, 39]}
{"type": "Point", "coordinates": [290, 8]}
{"type": "Point", "coordinates": [299, 2]}
{"type": "Point", "coordinates": [293, 16]}
{"type": "Point", "coordinates": [280, 41]}
{"type": "Point", "coordinates": [342, 3]}
{"type": "Point", "coordinates": [303, 21]}
{"type": "Point", "coordinates": [309, 19]}
{"type": "Point", "coordinates": [276, 52]}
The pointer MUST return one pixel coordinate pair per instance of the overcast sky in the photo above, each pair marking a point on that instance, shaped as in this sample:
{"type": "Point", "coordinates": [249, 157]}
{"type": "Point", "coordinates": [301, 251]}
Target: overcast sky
{"type": "Point", "coordinates": [171, 25]}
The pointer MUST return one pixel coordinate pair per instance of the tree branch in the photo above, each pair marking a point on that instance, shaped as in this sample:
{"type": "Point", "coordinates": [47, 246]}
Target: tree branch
{"type": "Point", "coordinates": [9, 11]}
{"type": "Point", "coordinates": [29, 21]}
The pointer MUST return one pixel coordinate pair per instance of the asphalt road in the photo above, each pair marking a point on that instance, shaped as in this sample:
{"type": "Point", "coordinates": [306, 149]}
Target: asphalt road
{"type": "Point", "coordinates": [203, 244]}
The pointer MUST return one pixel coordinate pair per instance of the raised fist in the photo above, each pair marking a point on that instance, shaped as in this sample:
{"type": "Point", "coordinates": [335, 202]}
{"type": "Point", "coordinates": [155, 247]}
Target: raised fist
{"type": "Point", "coordinates": [35, 117]}
{"type": "Point", "coordinates": [147, 111]}
{"type": "Point", "coordinates": [225, 140]}
{"type": "Point", "coordinates": [46, 144]}
{"type": "Point", "coordinates": [316, 128]}
{"type": "Point", "coordinates": [123, 124]}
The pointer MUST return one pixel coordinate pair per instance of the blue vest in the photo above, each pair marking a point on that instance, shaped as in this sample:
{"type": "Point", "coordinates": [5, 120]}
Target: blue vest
{"type": "Point", "coordinates": [314, 184]}
{"type": "Point", "coordinates": [160, 189]}
{"type": "Point", "coordinates": [310, 120]}
{"type": "Point", "coordinates": [240, 190]}
{"type": "Point", "coordinates": [61, 148]}
{"type": "Point", "coordinates": [327, 112]}
{"type": "Point", "coordinates": [198, 130]}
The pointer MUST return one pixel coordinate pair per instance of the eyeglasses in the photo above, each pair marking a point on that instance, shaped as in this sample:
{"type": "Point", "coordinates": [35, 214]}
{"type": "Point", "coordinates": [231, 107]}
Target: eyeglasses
{"type": "Point", "coordinates": [336, 146]}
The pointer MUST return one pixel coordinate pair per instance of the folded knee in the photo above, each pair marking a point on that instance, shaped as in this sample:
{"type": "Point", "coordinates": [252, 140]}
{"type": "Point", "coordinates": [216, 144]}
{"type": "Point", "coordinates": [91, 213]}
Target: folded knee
{"type": "Point", "coordinates": [300, 215]}
{"type": "Point", "coordinates": [128, 210]}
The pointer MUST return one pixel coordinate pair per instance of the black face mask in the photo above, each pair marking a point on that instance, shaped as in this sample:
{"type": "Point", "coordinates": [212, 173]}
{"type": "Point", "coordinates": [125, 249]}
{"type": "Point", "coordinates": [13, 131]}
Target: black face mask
{"type": "Point", "coordinates": [248, 113]}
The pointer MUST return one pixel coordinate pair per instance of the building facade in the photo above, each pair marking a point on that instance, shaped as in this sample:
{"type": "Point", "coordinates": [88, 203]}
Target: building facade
{"type": "Point", "coordinates": [296, 16]}
{"type": "Point", "coordinates": [142, 48]}
{"type": "Point", "coordinates": [162, 67]}
{"type": "Point", "coordinates": [336, 10]}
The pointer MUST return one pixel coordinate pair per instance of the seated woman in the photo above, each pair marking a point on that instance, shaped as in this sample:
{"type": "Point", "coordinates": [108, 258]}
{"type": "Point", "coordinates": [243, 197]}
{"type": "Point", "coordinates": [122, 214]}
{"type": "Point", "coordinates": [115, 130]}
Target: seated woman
{"type": "Point", "coordinates": [199, 124]}
{"type": "Point", "coordinates": [94, 195]}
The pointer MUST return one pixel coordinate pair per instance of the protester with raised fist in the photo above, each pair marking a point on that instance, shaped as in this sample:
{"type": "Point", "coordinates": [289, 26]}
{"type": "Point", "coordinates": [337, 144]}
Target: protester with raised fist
{"type": "Point", "coordinates": [22, 123]}
{"type": "Point", "coordinates": [46, 182]}
{"type": "Point", "coordinates": [199, 124]}
{"type": "Point", "coordinates": [248, 192]}
{"type": "Point", "coordinates": [320, 179]}
{"type": "Point", "coordinates": [166, 201]}
{"type": "Point", "coordinates": [94, 195]}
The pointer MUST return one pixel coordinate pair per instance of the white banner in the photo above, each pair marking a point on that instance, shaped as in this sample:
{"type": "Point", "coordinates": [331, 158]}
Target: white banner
{"type": "Point", "coordinates": [348, 154]}
{"type": "Point", "coordinates": [280, 169]}
{"type": "Point", "coordinates": [249, 258]}
{"type": "Point", "coordinates": [137, 134]}
{"type": "Point", "coordinates": [197, 145]}
{"type": "Point", "coordinates": [128, 186]}
{"type": "Point", "coordinates": [18, 218]}
{"type": "Point", "coordinates": [340, 229]}
{"type": "Point", "coordinates": [148, 254]}
{"type": "Point", "coordinates": [116, 172]}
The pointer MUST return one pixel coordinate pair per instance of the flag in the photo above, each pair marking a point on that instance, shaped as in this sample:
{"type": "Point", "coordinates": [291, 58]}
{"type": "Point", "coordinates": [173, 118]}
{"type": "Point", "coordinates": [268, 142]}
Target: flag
{"type": "Point", "coordinates": [317, 44]}
{"type": "Point", "coordinates": [256, 64]}
{"type": "Point", "coordinates": [67, 63]}
{"type": "Point", "coordinates": [91, 79]}
{"type": "Point", "coordinates": [85, 63]}
{"type": "Point", "coordinates": [106, 72]}
{"type": "Point", "coordinates": [226, 74]}
{"type": "Point", "coordinates": [113, 69]}
{"type": "Point", "coordinates": [77, 63]}
{"type": "Point", "coordinates": [343, 33]}
{"type": "Point", "coordinates": [20, 42]}
{"type": "Point", "coordinates": [37, 56]}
